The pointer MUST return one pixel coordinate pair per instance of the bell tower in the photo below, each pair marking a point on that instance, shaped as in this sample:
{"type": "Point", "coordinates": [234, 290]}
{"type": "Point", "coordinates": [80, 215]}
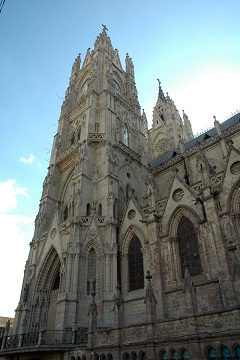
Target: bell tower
{"type": "Point", "coordinates": [98, 163]}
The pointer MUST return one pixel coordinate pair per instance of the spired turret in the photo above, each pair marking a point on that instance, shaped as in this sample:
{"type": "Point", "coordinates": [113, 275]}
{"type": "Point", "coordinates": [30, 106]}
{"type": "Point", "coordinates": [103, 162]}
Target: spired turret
{"type": "Point", "coordinates": [168, 128]}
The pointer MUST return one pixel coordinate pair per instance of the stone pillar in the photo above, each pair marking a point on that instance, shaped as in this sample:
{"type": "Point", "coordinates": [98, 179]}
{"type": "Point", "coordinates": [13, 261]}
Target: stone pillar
{"type": "Point", "coordinates": [150, 302]}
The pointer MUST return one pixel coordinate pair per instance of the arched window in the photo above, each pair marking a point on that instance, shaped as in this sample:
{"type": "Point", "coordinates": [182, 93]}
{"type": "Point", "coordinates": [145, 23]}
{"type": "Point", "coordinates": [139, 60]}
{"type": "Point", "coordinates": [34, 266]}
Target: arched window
{"type": "Point", "coordinates": [225, 353]}
{"type": "Point", "coordinates": [88, 213]}
{"type": "Point", "coordinates": [91, 283]}
{"type": "Point", "coordinates": [100, 210]}
{"type": "Point", "coordinates": [185, 355]}
{"type": "Point", "coordinates": [109, 357]}
{"type": "Point", "coordinates": [65, 213]}
{"type": "Point", "coordinates": [143, 356]}
{"type": "Point", "coordinates": [126, 356]}
{"type": "Point", "coordinates": [125, 135]}
{"type": "Point", "coordinates": [188, 247]}
{"type": "Point", "coordinates": [73, 139]}
{"type": "Point", "coordinates": [135, 264]}
{"type": "Point", "coordinates": [212, 354]}
{"type": "Point", "coordinates": [133, 356]}
{"type": "Point", "coordinates": [79, 134]}
{"type": "Point", "coordinates": [163, 355]}
{"type": "Point", "coordinates": [174, 355]}
{"type": "Point", "coordinates": [237, 351]}
{"type": "Point", "coordinates": [103, 357]}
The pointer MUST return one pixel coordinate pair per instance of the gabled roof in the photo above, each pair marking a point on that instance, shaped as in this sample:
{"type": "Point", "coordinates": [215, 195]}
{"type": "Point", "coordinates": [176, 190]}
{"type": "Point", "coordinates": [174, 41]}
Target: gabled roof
{"type": "Point", "coordinates": [199, 139]}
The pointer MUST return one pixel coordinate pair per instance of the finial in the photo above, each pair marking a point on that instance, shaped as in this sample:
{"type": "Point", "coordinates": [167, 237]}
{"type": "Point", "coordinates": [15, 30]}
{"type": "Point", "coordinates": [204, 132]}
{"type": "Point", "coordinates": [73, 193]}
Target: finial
{"type": "Point", "coordinates": [104, 27]}
{"type": "Point", "coordinates": [160, 92]}
{"type": "Point", "coordinates": [215, 119]}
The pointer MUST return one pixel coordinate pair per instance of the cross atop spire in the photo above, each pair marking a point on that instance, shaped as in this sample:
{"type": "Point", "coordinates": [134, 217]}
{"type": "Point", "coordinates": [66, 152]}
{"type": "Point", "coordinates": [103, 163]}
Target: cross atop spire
{"type": "Point", "coordinates": [104, 27]}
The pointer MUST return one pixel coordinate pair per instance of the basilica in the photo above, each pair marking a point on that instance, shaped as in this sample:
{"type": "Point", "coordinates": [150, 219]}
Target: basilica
{"type": "Point", "coordinates": [136, 249]}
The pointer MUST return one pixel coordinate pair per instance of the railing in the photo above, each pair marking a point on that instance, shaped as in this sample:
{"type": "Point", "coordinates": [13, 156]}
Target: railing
{"type": "Point", "coordinates": [30, 339]}
{"type": "Point", "coordinates": [13, 341]}
{"type": "Point", "coordinates": [57, 337]}
{"type": "Point", "coordinates": [49, 337]}
{"type": "Point", "coordinates": [129, 151]}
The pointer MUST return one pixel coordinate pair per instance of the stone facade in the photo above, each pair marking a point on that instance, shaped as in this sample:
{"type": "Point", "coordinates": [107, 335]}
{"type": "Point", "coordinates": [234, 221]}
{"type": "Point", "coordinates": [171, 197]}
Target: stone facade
{"type": "Point", "coordinates": [136, 246]}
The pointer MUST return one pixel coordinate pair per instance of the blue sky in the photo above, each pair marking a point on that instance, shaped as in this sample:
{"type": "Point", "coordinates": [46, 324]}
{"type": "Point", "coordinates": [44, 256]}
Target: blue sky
{"type": "Point", "coordinates": [192, 46]}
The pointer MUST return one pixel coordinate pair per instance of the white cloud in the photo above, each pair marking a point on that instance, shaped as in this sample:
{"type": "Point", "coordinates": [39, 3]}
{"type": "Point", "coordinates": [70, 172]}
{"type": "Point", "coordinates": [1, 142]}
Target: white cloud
{"type": "Point", "coordinates": [16, 233]}
{"type": "Point", "coordinates": [29, 160]}
{"type": "Point", "coordinates": [8, 194]}
{"type": "Point", "coordinates": [213, 92]}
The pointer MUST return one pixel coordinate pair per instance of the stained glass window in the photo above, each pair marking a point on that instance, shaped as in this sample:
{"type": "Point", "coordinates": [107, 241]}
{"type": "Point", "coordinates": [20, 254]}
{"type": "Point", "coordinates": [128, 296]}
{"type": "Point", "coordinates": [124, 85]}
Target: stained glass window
{"type": "Point", "coordinates": [212, 353]}
{"type": "Point", "coordinates": [237, 351]}
{"type": "Point", "coordinates": [185, 355]}
{"type": "Point", "coordinates": [164, 356]}
{"type": "Point", "coordinates": [174, 355]}
{"type": "Point", "coordinates": [225, 353]}
{"type": "Point", "coordinates": [188, 247]}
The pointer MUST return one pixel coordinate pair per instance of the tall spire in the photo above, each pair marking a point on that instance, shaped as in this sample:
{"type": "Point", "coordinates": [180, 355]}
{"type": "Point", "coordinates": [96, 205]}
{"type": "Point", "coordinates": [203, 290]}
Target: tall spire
{"type": "Point", "coordinates": [160, 92]}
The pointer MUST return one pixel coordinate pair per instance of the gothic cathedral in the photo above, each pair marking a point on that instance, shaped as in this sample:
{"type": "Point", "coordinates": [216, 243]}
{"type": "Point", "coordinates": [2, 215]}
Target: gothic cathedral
{"type": "Point", "coordinates": [136, 249]}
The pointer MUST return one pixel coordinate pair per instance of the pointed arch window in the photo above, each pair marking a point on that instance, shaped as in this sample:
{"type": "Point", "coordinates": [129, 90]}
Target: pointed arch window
{"type": "Point", "coordinates": [88, 213]}
{"type": "Point", "coordinates": [65, 213]}
{"type": "Point", "coordinates": [212, 354]}
{"type": "Point", "coordinates": [91, 282]}
{"type": "Point", "coordinates": [135, 264]}
{"type": "Point", "coordinates": [163, 355]}
{"type": "Point", "coordinates": [237, 351]}
{"type": "Point", "coordinates": [125, 135]}
{"type": "Point", "coordinates": [225, 353]}
{"type": "Point", "coordinates": [188, 247]}
{"type": "Point", "coordinates": [100, 210]}
{"type": "Point", "coordinates": [73, 139]}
